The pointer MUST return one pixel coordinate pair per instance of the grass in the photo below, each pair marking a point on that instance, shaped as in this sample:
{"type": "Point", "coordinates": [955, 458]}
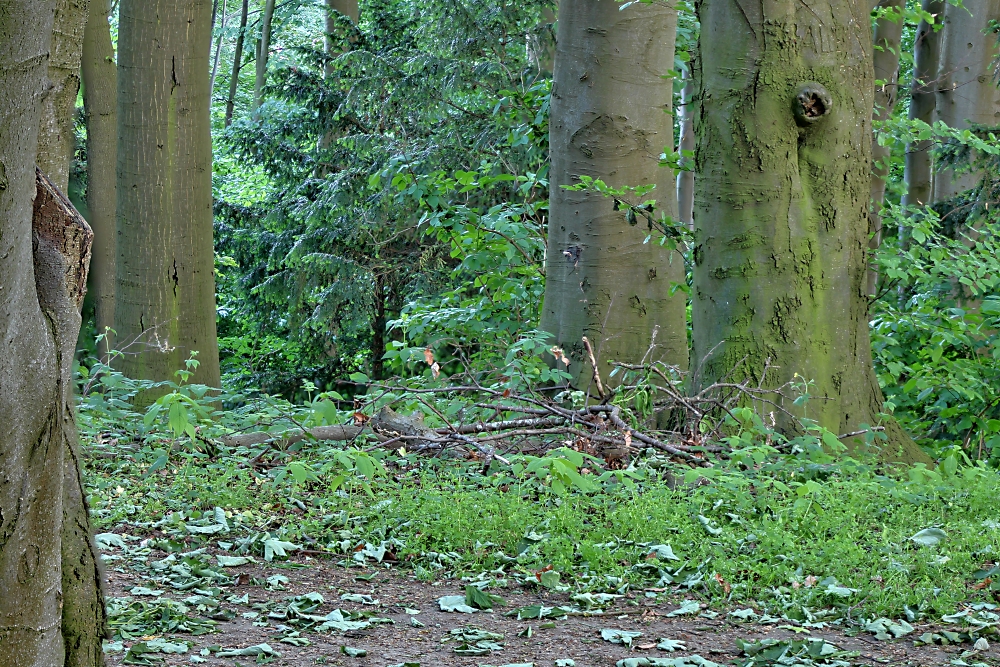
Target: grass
{"type": "Point", "coordinates": [789, 538]}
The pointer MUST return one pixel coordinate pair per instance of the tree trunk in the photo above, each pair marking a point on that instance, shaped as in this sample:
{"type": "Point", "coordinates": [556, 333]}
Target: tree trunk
{"type": "Point", "coordinates": [100, 91]}
{"type": "Point", "coordinates": [610, 102]}
{"type": "Point", "coordinates": [234, 80]}
{"type": "Point", "coordinates": [685, 179]}
{"type": "Point", "coordinates": [888, 32]}
{"type": "Point", "coordinates": [348, 8]}
{"type": "Point", "coordinates": [165, 299]}
{"type": "Point", "coordinates": [781, 204]}
{"type": "Point", "coordinates": [542, 45]}
{"type": "Point", "coordinates": [56, 138]}
{"type": "Point", "coordinates": [967, 93]}
{"type": "Point", "coordinates": [263, 52]}
{"type": "Point", "coordinates": [51, 604]}
{"type": "Point", "coordinates": [218, 51]}
{"type": "Point", "coordinates": [926, 54]}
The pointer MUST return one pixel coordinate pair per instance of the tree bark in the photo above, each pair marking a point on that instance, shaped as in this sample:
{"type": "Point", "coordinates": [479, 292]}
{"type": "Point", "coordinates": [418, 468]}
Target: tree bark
{"type": "Point", "coordinates": [165, 297]}
{"type": "Point", "coordinates": [781, 203]}
{"type": "Point", "coordinates": [263, 52]}
{"type": "Point", "coordinates": [886, 42]}
{"type": "Point", "coordinates": [56, 138]}
{"type": "Point", "coordinates": [610, 120]}
{"type": "Point", "coordinates": [51, 604]}
{"type": "Point", "coordinates": [926, 54]}
{"type": "Point", "coordinates": [234, 80]}
{"type": "Point", "coordinates": [100, 90]}
{"type": "Point", "coordinates": [967, 93]}
{"type": "Point", "coordinates": [685, 179]}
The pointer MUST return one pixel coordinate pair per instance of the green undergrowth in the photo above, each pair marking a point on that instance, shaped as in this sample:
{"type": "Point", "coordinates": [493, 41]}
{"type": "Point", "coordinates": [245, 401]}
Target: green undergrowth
{"type": "Point", "coordinates": [785, 537]}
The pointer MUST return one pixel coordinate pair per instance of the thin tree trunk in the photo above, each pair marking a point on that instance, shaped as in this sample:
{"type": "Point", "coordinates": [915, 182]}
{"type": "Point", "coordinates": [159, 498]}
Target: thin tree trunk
{"type": "Point", "coordinates": [348, 8]}
{"type": "Point", "coordinates": [685, 179]}
{"type": "Point", "coordinates": [926, 54]}
{"type": "Point", "coordinates": [542, 45]}
{"type": "Point", "coordinates": [781, 208]}
{"type": "Point", "coordinates": [46, 618]}
{"type": "Point", "coordinates": [218, 50]}
{"type": "Point", "coordinates": [263, 52]}
{"type": "Point", "coordinates": [165, 299]}
{"type": "Point", "coordinates": [967, 93]}
{"type": "Point", "coordinates": [56, 138]}
{"type": "Point", "coordinates": [608, 121]}
{"type": "Point", "coordinates": [886, 42]}
{"type": "Point", "coordinates": [100, 90]}
{"type": "Point", "coordinates": [234, 80]}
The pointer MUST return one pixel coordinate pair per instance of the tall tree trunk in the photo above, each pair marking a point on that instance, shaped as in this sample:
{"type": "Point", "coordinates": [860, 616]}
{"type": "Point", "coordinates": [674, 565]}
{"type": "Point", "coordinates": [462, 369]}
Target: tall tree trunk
{"type": "Point", "coordinates": [51, 605]}
{"type": "Point", "coordinates": [100, 90]}
{"type": "Point", "coordinates": [263, 52]}
{"type": "Point", "coordinates": [234, 79]}
{"type": "Point", "coordinates": [609, 102]}
{"type": "Point", "coordinates": [165, 299]}
{"type": "Point", "coordinates": [685, 179]}
{"type": "Point", "coordinates": [56, 138]}
{"type": "Point", "coordinates": [781, 203]}
{"type": "Point", "coordinates": [926, 54]}
{"type": "Point", "coordinates": [218, 51]}
{"type": "Point", "coordinates": [886, 42]}
{"type": "Point", "coordinates": [967, 93]}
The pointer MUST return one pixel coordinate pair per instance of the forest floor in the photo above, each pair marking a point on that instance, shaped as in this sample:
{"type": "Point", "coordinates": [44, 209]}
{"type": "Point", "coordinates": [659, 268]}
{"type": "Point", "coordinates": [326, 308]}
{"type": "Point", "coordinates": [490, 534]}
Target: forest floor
{"type": "Point", "coordinates": [418, 632]}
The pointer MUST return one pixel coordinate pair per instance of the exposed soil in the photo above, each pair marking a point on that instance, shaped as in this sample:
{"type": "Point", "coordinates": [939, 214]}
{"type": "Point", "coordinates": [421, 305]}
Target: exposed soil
{"type": "Point", "coordinates": [578, 638]}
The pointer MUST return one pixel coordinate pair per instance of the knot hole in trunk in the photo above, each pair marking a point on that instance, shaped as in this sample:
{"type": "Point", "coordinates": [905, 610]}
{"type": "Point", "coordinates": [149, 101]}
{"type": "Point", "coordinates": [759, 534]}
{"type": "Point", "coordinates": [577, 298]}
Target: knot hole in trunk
{"type": "Point", "coordinates": [811, 103]}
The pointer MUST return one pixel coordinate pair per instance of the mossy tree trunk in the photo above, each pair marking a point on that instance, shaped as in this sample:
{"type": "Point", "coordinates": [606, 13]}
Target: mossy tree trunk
{"type": "Point", "coordinates": [782, 190]}
{"type": "Point", "coordinates": [611, 103]}
{"type": "Point", "coordinates": [51, 603]}
{"type": "Point", "coordinates": [100, 90]}
{"type": "Point", "coordinates": [165, 297]}
{"type": "Point", "coordinates": [56, 138]}
{"type": "Point", "coordinates": [967, 92]}
{"type": "Point", "coordinates": [886, 45]}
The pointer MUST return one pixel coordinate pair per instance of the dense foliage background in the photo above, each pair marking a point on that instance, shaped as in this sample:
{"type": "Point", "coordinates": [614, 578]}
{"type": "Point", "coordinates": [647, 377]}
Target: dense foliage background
{"type": "Point", "coordinates": [389, 197]}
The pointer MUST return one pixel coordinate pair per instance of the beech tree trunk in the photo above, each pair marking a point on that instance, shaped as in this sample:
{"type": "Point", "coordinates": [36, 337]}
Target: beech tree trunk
{"type": "Point", "coordinates": [886, 43]}
{"type": "Point", "coordinates": [56, 139]}
{"type": "Point", "coordinates": [926, 54]}
{"type": "Point", "coordinates": [51, 603]}
{"type": "Point", "coordinates": [100, 90]}
{"type": "Point", "coordinates": [234, 79]}
{"type": "Point", "coordinates": [967, 92]}
{"type": "Point", "coordinates": [165, 297]}
{"type": "Point", "coordinates": [610, 120]}
{"type": "Point", "coordinates": [782, 194]}
{"type": "Point", "coordinates": [263, 53]}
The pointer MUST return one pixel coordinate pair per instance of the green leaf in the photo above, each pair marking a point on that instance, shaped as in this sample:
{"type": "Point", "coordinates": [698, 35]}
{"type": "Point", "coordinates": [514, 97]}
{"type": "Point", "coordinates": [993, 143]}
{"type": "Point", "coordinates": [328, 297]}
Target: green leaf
{"type": "Point", "coordinates": [477, 598]}
{"type": "Point", "coordinates": [623, 637]}
{"type": "Point", "coordinates": [929, 537]}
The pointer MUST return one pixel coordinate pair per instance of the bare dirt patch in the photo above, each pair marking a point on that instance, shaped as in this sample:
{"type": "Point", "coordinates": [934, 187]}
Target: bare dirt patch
{"type": "Point", "coordinates": [425, 637]}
